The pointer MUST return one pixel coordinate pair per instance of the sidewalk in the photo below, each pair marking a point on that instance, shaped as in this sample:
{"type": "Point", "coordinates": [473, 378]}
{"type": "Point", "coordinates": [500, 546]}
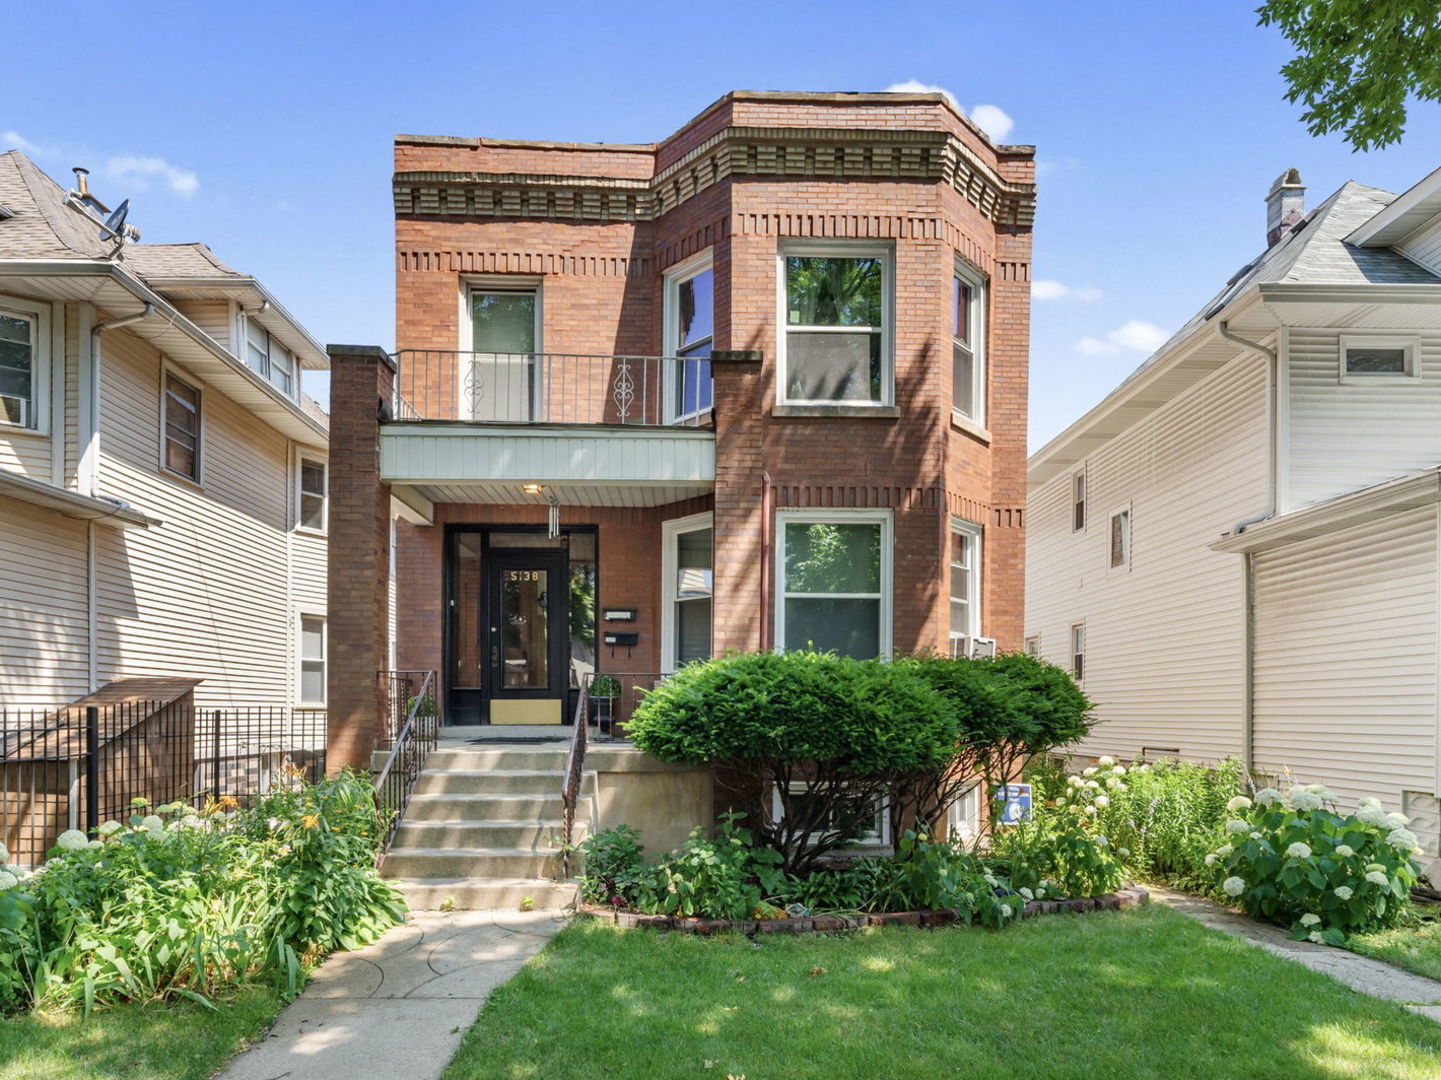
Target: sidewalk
{"type": "Point", "coordinates": [397, 1009]}
{"type": "Point", "coordinates": [1360, 973]}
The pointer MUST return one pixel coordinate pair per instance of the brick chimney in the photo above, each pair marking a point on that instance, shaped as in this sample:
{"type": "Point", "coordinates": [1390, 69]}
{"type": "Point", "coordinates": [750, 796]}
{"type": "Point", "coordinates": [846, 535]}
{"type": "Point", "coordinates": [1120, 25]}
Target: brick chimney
{"type": "Point", "coordinates": [1285, 206]}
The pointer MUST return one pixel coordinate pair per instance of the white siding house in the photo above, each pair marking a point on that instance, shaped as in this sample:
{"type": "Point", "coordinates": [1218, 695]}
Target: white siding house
{"type": "Point", "coordinates": [1272, 591]}
{"type": "Point", "coordinates": [151, 517]}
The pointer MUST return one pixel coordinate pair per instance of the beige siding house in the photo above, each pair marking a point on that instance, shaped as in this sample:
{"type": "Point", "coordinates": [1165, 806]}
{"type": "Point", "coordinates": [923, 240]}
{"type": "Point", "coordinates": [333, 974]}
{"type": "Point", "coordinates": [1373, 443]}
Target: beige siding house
{"type": "Point", "coordinates": [162, 477]}
{"type": "Point", "coordinates": [1237, 550]}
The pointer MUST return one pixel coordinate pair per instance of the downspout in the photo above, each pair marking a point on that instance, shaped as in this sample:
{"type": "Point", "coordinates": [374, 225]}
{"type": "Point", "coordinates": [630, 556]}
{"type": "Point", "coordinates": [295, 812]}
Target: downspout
{"type": "Point", "coordinates": [88, 472]}
{"type": "Point", "coordinates": [1248, 580]}
{"type": "Point", "coordinates": [765, 636]}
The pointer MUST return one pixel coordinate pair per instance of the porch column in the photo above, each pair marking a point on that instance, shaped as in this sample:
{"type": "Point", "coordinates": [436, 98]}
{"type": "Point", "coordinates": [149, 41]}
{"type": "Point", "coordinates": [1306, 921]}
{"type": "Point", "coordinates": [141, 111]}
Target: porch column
{"type": "Point", "coordinates": [358, 553]}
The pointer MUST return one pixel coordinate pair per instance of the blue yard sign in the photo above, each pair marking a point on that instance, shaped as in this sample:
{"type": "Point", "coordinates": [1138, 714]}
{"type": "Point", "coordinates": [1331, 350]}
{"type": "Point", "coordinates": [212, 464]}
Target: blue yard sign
{"type": "Point", "coordinates": [1015, 800]}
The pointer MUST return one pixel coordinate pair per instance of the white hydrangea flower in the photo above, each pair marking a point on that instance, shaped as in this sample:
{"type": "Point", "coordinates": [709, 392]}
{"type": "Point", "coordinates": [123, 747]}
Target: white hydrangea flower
{"type": "Point", "coordinates": [1239, 803]}
{"type": "Point", "coordinates": [1061, 801]}
{"type": "Point", "coordinates": [1114, 784]}
{"type": "Point", "coordinates": [1124, 852]}
{"type": "Point", "coordinates": [8, 880]}
{"type": "Point", "coordinates": [1119, 770]}
{"type": "Point", "coordinates": [1370, 802]}
{"type": "Point", "coordinates": [1233, 886]}
{"type": "Point", "coordinates": [1225, 850]}
{"type": "Point", "coordinates": [1101, 841]}
{"type": "Point", "coordinates": [1267, 795]}
{"type": "Point", "coordinates": [1102, 801]}
{"type": "Point", "coordinates": [1316, 936]}
{"type": "Point", "coordinates": [1235, 826]}
{"type": "Point", "coordinates": [1344, 892]}
{"type": "Point", "coordinates": [72, 840]}
{"type": "Point", "coordinates": [153, 822]}
{"type": "Point", "coordinates": [1345, 850]}
{"type": "Point", "coordinates": [1404, 839]}
{"type": "Point", "coordinates": [1397, 821]}
{"type": "Point", "coordinates": [1298, 850]}
{"type": "Point", "coordinates": [1143, 768]}
{"type": "Point", "coordinates": [1371, 815]}
{"type": "Point", "coordinates": [1092, 810]}
{"type": "Point", "coordinates": [191, 821]}
{"type": "Point", "coordinates": [1094, 785]}
{"type": "Point", "coordinates": [4, 854]}
{"type": "Point", "coordinates": [1212, 858]}
{"type": "Point", "coordinates": [1025, 892]}
{"type": "Point", "coordinates": [1089, 771]}
{"type": "Point", "coordinates": [109, 828]}
{"type": "Point", "coordinates": [1107, 760]}
{"type": "Point", "coordinates": [1377, 877]}
{"type": "Point", "coordinates": [1255, 835]}
{"type": "Point", "coordinates": [1310, 920]}
{"type": "Point", "coordinates": [1074, 781]}
{"type": "Point", "coordinates": [95, 844]}
{"type": "Point", "coordinates": [990, 880]}
{"type": "Point", "coordinates": [1301, 799]}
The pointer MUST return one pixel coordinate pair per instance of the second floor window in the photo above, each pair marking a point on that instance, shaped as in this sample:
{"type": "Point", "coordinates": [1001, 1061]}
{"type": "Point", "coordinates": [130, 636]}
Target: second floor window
{"type": "Point", "coordinates": [17, 369]}
{"type": "Point", "coordinates": [690, 330]}
{"type": "Point", "coordinates": [1078, 502]}
{"type": "Point", "coordinates": [182, 428]}
{"type": "Point", "coordinates": [836, 347]}
{"type": "Point", "coordinates": [271, 359]}
{"type": "Point", "coordinates": [312, 495]}
{"type": "Point", "coordinates": [1121, 539]}
{"type": "Point", "coordinates": [968, 359]}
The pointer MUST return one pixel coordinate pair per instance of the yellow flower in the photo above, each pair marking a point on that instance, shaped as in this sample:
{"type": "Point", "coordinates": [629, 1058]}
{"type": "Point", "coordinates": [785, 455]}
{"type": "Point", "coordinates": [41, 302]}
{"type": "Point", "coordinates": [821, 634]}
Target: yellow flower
{"type": "Point", "coordinates": [310, 820]}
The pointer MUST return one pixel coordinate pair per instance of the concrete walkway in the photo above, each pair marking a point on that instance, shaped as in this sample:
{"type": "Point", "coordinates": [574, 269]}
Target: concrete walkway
{"type": "Point", "coordinates": [397, 1009]}
{"type": "Point", "coordinates": [1360, 973]}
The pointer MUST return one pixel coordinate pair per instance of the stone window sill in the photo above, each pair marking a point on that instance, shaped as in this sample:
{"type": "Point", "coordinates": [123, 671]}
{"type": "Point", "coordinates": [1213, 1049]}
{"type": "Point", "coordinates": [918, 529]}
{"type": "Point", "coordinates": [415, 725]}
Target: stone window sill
{"type": "Point", "coordinates": [863, 412]}
{"type": "Point", "coordinates": [970, 427]}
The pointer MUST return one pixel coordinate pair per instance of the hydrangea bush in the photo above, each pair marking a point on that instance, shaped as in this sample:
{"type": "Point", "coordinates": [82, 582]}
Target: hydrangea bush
{"type": "Point", "coordinates": [1295, 860]}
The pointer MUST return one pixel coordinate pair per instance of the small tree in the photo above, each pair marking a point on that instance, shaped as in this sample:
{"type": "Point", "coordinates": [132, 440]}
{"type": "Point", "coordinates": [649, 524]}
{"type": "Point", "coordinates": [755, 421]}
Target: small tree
{"type": "Point", "coordinates": [829, 733]}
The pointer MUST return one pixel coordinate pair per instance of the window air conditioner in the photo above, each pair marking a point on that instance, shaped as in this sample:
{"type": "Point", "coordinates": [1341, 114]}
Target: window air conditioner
{"type": "Point", "coordinates": [983, 648]}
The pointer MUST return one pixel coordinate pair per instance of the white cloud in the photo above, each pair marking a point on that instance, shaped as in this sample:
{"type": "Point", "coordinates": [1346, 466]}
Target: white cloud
{"type": "Point", "coordinates": [140, 171]}
{"type": "Point", "coordinates": [991, 119]}
{"type": "Point", "coordinates": [14, 140]}
{"type": "Point", "coordinates": [1135, 336]}
{"type": "Point", "coordinates": [1047, 289]}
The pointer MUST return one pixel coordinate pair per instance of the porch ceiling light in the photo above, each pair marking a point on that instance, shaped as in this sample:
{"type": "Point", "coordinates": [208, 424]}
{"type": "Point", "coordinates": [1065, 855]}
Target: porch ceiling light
{"type": "Point", "coordinates": [532, 489]}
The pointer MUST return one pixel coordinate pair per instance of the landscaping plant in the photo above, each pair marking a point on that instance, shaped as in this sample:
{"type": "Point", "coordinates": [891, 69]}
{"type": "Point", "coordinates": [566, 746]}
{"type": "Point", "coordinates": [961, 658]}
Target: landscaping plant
{"type": "Point", "coordinates": [1295, 860]}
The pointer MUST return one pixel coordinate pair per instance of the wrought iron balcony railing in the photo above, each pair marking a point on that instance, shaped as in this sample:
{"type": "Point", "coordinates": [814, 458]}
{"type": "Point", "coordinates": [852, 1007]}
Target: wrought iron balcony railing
{"type": "Point", "coordinates": [552, 388]}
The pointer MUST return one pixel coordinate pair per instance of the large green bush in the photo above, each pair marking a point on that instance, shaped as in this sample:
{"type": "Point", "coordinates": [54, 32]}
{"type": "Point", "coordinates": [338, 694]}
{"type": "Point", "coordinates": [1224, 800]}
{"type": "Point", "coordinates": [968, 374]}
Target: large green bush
{"type": "Point", "coordinates": [830, 734]}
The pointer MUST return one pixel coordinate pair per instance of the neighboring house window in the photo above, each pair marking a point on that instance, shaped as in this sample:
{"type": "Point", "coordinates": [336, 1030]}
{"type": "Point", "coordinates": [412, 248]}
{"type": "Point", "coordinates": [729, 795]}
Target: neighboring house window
{"type": "Point", "coordinates": [269, 358]}
{"type": "Point", "coordinates": [690, 329]}
{"type": "Point", "coordinates": [968, 358]}
{"type": "Point", "coordinates": [1380, 356]}
{"type": "Point", "coordinates": [1078, 502]}
{"type": "Point", "coordinates": [836, 309]}
{"type": "Point", "coordinates": [834, 573]}
{"type": "Point", "coordinates": [18, 340]}
{"type": "Point", "coordinates": [963, 818]}
{"type": "Point", "coordinates": [312, 660]}
{"type": "Point", "coordinates": [1033, 645]}
{"type": "Point", "coordinates": [312, 495]}
{"type": "Point", "coordinates": [867, 817]}
{"type": "Point", "coordinates": [965, 577]}
{"type": "Point", "coordinates": [687, 590]}
{"type": "Point", "coordinates": [1078, 650]}
{"type": "Point", "coordinates": [1121, 538]}
{"type": "Point", "coordinates": [182, 428]}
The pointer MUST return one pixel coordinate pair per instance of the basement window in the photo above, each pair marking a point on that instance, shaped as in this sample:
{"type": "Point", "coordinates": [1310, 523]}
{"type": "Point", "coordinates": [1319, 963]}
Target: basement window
{"type": "Point", "coordinates": [1379, 357]}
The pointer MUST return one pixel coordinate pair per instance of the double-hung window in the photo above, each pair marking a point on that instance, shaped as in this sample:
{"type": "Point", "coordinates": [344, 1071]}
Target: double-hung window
{"type": "Point", "coordinates": [690, 329]}
{"type": "Point", "coordinates": [269, 357]}
{"type": "Point", "coordinates": [1121, 538]}
{"type": "Point", "coordinates": [1078, 501]}
{"type": "Point", "coordinates": [836, 310]}
{"type": "Point", "coordinates": [22, 376]}
{"type": "Point", "coordinates": [965, 580]}
{"type": "Point", "coordinates": [968, 358]}
{"type": "Point", "coordinates": [687, 590]}
{"type": "Point", "coordinates": [834, 577]}
{"type": "Point", "coordinates": [312, 660]}
{"type": "Point", "coordinates": [1078, 650]}
{"type": "Point", "coordinates": [182, 428]}
{"type": "Point", "coordinates": [312, 495]}
{"type": "Point", "coordinates": [500, 380]}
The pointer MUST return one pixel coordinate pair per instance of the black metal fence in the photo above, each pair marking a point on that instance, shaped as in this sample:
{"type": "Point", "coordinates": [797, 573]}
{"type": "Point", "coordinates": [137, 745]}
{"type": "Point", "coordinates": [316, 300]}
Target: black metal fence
{"type": "Point", "coordinates": [74, 767]}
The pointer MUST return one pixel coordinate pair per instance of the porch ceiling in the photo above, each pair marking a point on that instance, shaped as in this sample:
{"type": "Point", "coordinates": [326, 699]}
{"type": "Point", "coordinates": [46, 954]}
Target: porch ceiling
{"type": "Point", "coordinates": [592, 465]}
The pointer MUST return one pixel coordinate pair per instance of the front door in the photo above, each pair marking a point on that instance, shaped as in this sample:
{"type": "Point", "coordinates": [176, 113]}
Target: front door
{"type": "Point", "coordinates": [527, 639]}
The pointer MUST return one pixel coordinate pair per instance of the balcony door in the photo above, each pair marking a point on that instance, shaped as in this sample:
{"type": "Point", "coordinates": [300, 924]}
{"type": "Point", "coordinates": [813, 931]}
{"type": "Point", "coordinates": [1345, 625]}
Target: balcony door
{"type": "Point", "coordinates": [500, 379]}
{"type": "Point", "coordinates": [526, 621]}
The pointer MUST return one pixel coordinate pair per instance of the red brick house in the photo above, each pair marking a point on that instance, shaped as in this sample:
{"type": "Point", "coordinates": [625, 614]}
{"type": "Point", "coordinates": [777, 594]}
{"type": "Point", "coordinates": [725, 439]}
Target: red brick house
{"type": "Point", "coordinates": [757, 385]}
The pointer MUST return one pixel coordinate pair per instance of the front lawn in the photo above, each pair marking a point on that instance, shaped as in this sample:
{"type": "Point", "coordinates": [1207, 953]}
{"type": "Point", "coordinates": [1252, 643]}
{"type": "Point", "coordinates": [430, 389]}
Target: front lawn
{"type": "Point", "coordinates": [1108, 996]}
{"type": "Point", "coordinates": [1415, 948]}
{"type": "Point", "coordinates": [134, 1042]}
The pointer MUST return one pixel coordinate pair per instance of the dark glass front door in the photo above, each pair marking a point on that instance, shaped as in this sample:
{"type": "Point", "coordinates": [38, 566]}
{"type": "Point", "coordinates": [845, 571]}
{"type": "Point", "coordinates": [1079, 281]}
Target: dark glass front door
{"type": "Point", "coordinates": [526, 635]}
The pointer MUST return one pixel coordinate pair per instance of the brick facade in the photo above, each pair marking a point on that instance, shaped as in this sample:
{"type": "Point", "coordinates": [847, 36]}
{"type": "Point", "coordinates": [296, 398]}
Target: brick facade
{"type": "Point", "coordinates": [598, 226]}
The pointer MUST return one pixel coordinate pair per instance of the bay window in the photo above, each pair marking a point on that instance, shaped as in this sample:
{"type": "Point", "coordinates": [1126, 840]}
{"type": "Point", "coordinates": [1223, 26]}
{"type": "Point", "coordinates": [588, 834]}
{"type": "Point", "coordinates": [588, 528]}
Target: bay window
{"type": "Point", "coordinates": [834, 580]}
{"type": "Point", "coordinates": [836, 305]}
{"type": "Point", "coordinates": [965, 580]}
{"type": "Point", "coordinates": [968, 358]}
{"type": "Point", "coordinates": [687, 590]}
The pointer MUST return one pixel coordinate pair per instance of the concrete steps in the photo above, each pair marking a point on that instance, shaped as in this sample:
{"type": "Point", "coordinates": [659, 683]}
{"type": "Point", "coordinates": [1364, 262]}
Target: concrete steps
{"type": "Point", "coordinates": [483, 830]}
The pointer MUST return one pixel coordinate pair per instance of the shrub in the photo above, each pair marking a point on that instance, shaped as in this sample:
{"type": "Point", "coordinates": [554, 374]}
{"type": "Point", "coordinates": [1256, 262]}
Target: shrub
{"type": "Point", "coordinates": [1295, 861]}
{"type": "Point", "coordinates": [725, 877]}
{"type": "Point", "coordinates": [1065, 842]}
{"type": "Point", "coordinates": [830, 733]}
{"type": "Point", "coordinates": [613, 865]}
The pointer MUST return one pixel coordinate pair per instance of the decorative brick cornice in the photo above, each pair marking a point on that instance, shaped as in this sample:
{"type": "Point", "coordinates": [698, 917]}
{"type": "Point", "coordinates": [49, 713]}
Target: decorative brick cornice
{"type": "Point", "coordinates": [842, 153]}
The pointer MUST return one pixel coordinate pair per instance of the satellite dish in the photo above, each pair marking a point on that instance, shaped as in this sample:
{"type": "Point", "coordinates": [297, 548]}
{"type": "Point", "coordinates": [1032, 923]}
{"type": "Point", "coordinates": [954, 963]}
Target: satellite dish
{"type": "Point", "coordinates": [115, 224]}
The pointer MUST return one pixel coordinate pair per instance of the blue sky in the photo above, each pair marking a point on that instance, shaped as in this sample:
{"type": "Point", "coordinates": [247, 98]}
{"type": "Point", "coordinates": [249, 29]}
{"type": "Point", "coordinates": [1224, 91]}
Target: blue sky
{"type": "Point", "coordinates": [264, 129]}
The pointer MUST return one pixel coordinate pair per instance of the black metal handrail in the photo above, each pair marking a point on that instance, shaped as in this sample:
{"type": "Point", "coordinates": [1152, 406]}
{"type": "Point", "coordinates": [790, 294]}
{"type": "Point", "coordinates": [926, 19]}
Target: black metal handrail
{"type": "Point", "coordinates": [411, 747]}
{"type": "Point", "coordinates": [574, 773]}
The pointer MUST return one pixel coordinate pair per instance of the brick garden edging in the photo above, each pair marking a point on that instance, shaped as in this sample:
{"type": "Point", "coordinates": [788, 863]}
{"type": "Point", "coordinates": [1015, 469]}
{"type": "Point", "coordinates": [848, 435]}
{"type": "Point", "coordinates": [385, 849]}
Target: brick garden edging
{"type": "Point", "coordinates": [1129, 897]}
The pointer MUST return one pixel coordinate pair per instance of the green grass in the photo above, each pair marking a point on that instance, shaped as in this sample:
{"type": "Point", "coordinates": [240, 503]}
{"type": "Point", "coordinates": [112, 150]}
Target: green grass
{"type": "Point", "coordinates": [1415, 948]}
{"type": "Point", "coordinates": [1109, 996]}
{"type": "Point", "coordinates": [134, 1042]}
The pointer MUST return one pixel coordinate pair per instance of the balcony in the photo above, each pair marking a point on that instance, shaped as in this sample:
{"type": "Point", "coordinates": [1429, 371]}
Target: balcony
{"type": "Point", "coordinates": [553, 388]}
{"type": "Point", "coordinates": [548, 428]}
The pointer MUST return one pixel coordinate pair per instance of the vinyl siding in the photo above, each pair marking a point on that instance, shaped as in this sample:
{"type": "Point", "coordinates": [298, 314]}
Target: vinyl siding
{"type": "Point", "coordinates": [1346, 658]}
{"type": "Point", "coordinates": [43, 623]}
{"type": "Point", "coordinates": [1424, 246]}
{"type": "Point", "coordinates": [212, 316]}
{"type": "Point", "coordinates": [1346, 436]}
{"type": "Point", "coordinates": [1164, 651]}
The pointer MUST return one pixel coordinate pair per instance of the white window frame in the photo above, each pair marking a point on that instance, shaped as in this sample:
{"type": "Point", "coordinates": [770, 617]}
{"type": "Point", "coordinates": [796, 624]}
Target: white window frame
{"type": "Point", "coordinates": [1080, 488]}
{"type": "Point", "coordinates": [886, 253]}
{"type": "Point", "coordinates": [980, 381]}
{"type": "Point", "coordinates": [674, 278]}
{"type": "Point", "coordinates": [169, 371]}
{"type": "Point", "coordinates": [301, 461]}
{"type": "Point", "coordinates": [300, 660]}
{"type": "Point", "coordinates": [1033, 645]}
{"type": "Point", "coordinates": [1127, 537]}
{"type": "Point", "coordinates": [471, 284]}
{"type": "Point", "coordinates": [877, 838]}
{"type": "Point", "coordinates": [963, 817]}
{"type": "Point", "coordinates": [1078, 671]}
{"type": "Point", "coordinates": [267, 368]}
{"type": "Point", "coordinates": [670, 532]}
{"type": "Point", "coordinates": [38, 315]}
{"type": "Point", "coordinates": [838, 517]}
{"type": "Point", "coordinates": [960, 526]}
{"type": "Point", "coordinates": [1409, 343]}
